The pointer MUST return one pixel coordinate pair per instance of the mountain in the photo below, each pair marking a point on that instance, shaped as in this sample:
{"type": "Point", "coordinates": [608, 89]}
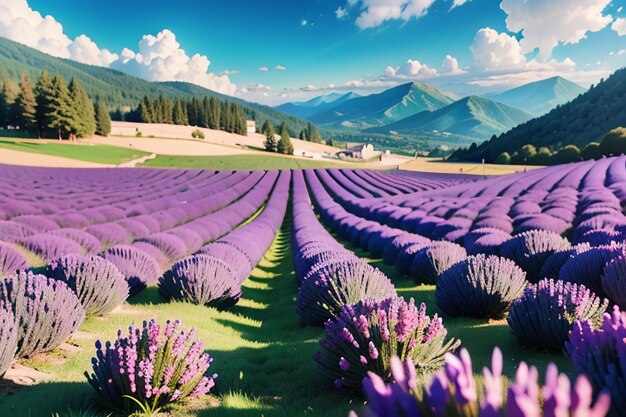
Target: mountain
{"type": "Point", "coordinates": [383, 108]}
{"type": "Point", "coordinates": [308, 108]}
{"type": "Point", "coordinates": [538, 98]}
{"type": "Point", "coordinates": [471, 117]}
{"type": "Point", "coordinates": [116, 88]}
{"type": "Point", "coordinates": [587, 118]}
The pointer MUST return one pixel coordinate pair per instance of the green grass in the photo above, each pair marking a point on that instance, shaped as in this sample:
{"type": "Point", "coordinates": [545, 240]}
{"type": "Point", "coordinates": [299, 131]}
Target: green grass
{"type": "Point", "coordinates": [102, 154]}
{"type": "Point", "coordinates": [245, 162]}
{"type": "Point", "coordinates": [264, 358]}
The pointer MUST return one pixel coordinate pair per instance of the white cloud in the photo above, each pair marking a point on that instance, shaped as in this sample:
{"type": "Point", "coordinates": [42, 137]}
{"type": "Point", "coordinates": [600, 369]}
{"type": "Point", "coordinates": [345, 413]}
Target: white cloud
{"type": "Point", "coordinates": [264, 69]}
{"type": "Point", "coordinates": [450, 66]}
{"type": "Point", "coordinates": [458, 3]}
{"type": "Point", "coordinates": [160, 58]}
{"type": "Point", "coordinates": [304, 22]}
{"type": "Point", "coordinates": [229, 72]}
{"type": "Point", "coordinates": [279, 68]}
{"type": "Point", "coordinates": [413, 69]}
{"type": "Point", "coordinates": [341, 13]}
{"type": "Point", "coordinates": [619, 9]}
{"type": "Point", "coordinates": [545, 24]}
{"type": "Point", "coordinates": [493, 50]}
{"type": "Point", "coordinates": [375, 12]}
{"type": "Point", "coordinates": [619, 26]}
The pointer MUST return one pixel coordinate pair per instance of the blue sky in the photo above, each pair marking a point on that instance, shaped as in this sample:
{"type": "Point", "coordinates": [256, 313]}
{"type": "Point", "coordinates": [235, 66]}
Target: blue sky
{"type": "Point", "coordinates": [328, 45]}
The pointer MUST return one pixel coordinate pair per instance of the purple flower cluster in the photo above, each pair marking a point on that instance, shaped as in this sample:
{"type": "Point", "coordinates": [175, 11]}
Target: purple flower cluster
{"type": "Point", "coordinates": [46, 311]}
{"type": "Point", "coordinates": [138, 267]}
{"type": "Point", "coordinates": [434, 259]}
{"type": "Point", "coordinates": [11, 260]}
{"type": "Point", "coordinates": [599, 353]}
{"type": "Point", "coordinates": [154, 366]}
{"type": "Point", "coordinates": [8, 337]}
{"type": "Point", "coordinates": [544, 314]}
{"type": "Point", "coordinates": [614, 281]}
{"type": "Point", "coordinates": [365, 336]}
{"type": "Point", "coordinates": [453, 392]}
{"type": "Point", "coordinates": [479, 286]}
{"type": "Point", "coordinates": [99, 285]}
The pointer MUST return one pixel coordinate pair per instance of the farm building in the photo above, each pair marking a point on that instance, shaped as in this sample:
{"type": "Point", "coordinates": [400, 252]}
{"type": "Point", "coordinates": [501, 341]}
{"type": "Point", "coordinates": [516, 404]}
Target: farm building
{"type": "Point", "coordinates": [358, 151]}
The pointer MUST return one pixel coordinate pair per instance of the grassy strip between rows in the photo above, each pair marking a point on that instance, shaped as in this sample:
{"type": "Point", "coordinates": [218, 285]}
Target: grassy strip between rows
{"type": "Point", "coordinates": [246, 162]}
{"type": "Point", "coordinates": [102, 154]}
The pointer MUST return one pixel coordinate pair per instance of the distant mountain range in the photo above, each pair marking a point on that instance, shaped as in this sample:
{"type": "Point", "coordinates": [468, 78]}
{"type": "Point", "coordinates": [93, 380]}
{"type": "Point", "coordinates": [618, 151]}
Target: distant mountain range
{"type": "Point", "coordinates": [472, 117]}
{"type": "Point", "coordinates": [383, 108]}
{"type": "Point", "coordinates": [587, 118]}
{"type": "Point", "coordinates": [539, 97]}
{"type": "Point", "coordinates": [119, 89]}
{"type": "Point", "coordinates": [319, 104]}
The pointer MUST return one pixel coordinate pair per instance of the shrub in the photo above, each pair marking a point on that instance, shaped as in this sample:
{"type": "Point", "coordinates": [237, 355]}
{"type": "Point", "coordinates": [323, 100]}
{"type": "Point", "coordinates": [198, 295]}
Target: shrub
{"type": "Point", "coordinates": [197, 134]}
{"type": "Point", "coordinates": [394, 247]}
{"type": "Point", "coordinates": [99, 285]}
{"type": "Point", "coordinates": [544, 314]}
{"type": "Point", "coordinates": [454, 392]}
{"type": "Point", "coordinates": [614, 143]}
{"type": "Point", "coordinates": [565, 155]}
{"type": "Point", "coordinates": [591, 151]}
{"type": "Point", "coordinates": [365, 337]}
{"type": "Point", "coordinates": [530, 250]}
{"type": "Point", "coordinates": [614, 281]}
{"type": "Point", "coordinates": [10, 260]}
{"type": "Point", "coordinates": [50, 247]}
{"type": "Point", "coordinates": [503, 159]}
{"type": "Point", "coordinates": [552, 267]}
{"type": "Point", "coordinates": [151, 368]}
{"type": "Point", "coordinates": [587, 267]}
{"type": "Point", "coordinates": [8, 337]}
{"type": "Point", "coordinates": [542, 157]}
{"type": "Point", "coordinates": [599, 354]}
{"type": "Point", "coordinates": [434, 259]}
{"type": "Point", "coordinates": [336, 282]}
{"type": "Point", "coordinates": [139, 269]}
{"type": "Point", "coordinates": [201, 279]}
{"type": "Point", "coordinates": [480, 286]}
{"type": "Point", "coordinates": [46, 311]}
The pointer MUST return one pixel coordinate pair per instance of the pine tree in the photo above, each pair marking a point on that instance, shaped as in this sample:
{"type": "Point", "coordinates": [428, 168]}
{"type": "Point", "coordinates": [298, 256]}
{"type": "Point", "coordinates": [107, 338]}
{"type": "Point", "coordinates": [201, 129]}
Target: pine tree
{"type": "Point", "coordinates": [4, 107]}
{"type": "Point", "coordinates": [83, 118]}
{"type": "Point", "coordinates": [11, 91]}
{"type": "Point", "coordinates": [44, 92]}
{"type": "Point", "coordinates": [103, 119]}
{"type": "Point", "coordinates": [179, 117]}
{"type": "Point", "coordinates": [26, 106]}
{"type": "Point", "coordinates": [284, 144]}
{"type": "Point", "coordinates": [60, 117]}
{"type": "Point", "coordinates": [302, 135]}
{"type": "Point", "coordinates": [145, 111]}
{"type": "Point", "coordinates": [270, 141]}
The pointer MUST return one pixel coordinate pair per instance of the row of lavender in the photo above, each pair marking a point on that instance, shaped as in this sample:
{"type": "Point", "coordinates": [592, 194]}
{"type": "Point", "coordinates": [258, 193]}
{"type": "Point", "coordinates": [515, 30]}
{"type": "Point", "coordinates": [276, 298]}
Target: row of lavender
{"type": "Point", "coordinates": [486, 285]}
{"type": "Point", "coordinates": [40, 311]}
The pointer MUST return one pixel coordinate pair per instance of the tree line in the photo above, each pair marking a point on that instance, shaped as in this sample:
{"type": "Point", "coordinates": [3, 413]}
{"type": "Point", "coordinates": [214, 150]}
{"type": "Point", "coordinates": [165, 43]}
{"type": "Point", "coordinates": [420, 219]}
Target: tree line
{"type": "Point", "coordinates": [207, 112]}
{"type": "Point", "coordinates": [51, 108]}
{"type": "Point", "coordinates": [283, 144]}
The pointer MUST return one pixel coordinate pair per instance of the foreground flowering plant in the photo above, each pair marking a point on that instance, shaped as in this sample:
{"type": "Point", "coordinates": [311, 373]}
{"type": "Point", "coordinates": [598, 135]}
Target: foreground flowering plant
{"type": "Point", "coordinates": [600, 354]}
{"type": "Point", "coordinates": [368, 334]}
{"type": "Point", "coordinates": [149, 368]}
{"type": "Point", "coordinates": [453, 393]}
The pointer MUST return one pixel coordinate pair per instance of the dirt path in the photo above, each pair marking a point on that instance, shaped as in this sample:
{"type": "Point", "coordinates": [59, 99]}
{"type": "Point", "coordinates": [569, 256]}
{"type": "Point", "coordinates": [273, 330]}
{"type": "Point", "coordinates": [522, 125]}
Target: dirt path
{"type": "Point", "coordinates": [11, 157]}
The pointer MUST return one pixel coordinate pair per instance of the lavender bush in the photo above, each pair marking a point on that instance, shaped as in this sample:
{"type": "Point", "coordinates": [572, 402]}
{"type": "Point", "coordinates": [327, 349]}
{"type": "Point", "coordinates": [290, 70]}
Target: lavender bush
{"type": "Point", "coordinates": [614, 281]}
{"type": "Point", "coordinates": [479, 286]}
{"type": "Point", "coordinates": [99, 285]}
{"type": "Point", "coordinates": [151, 368]}
{"type": "Point", "coordinates": [599, 354]}
{"type": "Point", "coordinates": [46, 311]}
{"type": "Point", "coordinates": [454, 393]}
{"type": "Point", "coordinates": [544, 314]}
{"type": "Point", "coordinates": [139, 268]}
{"type": "Point", "coordinates": [587, 267]}
{"type": "Point", "coordinates": [340, 281]}
{"type": "Point", "coordinates": [10, 260]}
{"type": "Point", "coordinates": [365, 337]}
{"type": "Point", "coordinates": [201, 279]}
{"type": "Point", "coordinates": [434, 259]}
{"type": "Point", "coordinates": [531, 249]}
{"type": "Point", "coordinates": [8, 337]}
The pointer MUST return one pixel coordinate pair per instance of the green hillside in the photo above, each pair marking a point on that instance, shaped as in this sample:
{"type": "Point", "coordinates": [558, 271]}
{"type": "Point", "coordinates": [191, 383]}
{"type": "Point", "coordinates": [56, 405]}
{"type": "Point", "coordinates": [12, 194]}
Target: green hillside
{"type": "Point", "coordinates": [472, 117]}
{"type": "Point", "coordinates": [585, 119]}
{"type": "Point", "coordinates": [383, 108]}
{"type": "Point", "coordinates": [116, 88]}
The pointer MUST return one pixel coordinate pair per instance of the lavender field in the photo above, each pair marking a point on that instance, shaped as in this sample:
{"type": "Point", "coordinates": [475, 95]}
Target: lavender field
{"type": "Point", "coordinates": [313, 292]}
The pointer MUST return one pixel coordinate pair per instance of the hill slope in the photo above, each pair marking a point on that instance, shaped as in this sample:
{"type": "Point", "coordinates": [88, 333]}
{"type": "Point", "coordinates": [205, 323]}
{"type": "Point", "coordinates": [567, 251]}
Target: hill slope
{"type": "Point", "coordinates": [315, 105]}
{"type": "Point", "coordinates": [540, 97]}
{"type": "Point", "coordinates": [473, 117]}
{"type": "Point", "coordinates": [383, 108]}
{"type": "Point", "coordinates": [116, 88]}
{"type": "Point", "coordinates": [585, 119]}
